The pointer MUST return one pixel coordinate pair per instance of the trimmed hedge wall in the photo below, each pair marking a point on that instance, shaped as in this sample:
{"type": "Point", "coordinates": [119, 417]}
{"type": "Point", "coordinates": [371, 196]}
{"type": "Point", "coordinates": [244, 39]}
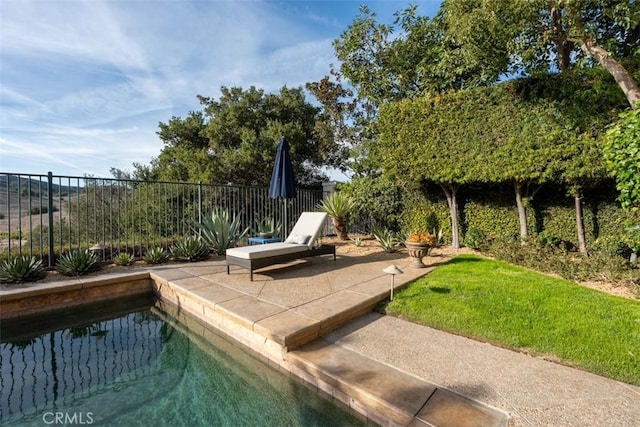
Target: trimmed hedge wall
{"type": "Point", "coordinates": [492, 210]}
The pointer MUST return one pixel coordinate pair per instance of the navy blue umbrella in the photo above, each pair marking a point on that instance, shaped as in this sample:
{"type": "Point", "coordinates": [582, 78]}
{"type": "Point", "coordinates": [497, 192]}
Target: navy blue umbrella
{"type": "Point", "coordinates": [283, 182]}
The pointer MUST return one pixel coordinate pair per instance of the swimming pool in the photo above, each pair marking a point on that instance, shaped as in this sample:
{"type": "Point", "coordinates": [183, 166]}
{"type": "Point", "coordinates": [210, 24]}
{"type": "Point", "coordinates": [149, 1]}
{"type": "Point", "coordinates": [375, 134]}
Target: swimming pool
{"type": "Point", "coordinates": [143, 368]}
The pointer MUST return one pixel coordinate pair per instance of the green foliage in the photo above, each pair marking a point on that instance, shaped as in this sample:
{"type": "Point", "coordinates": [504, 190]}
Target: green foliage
{"type": "Point", "coordinates": [557, 259]}
{"type": "Point", "coordinates": [520, 309]}
{"type": "Point", "coordinates": [220, 232]}
{"type": "Point", "coordinates": [124, 258]}
{"type": "Point", "coordinates": [528, 131]}
{"type": "Point", "coordinates": [357, 241]}
{"type": "Point", "coordinates": [622, 152]}
{"type": "Point", "coordinates": [475, 238]}
{"type": "Point", "coordinates": [77, 263]}
{"type": "Point", "coordinates": [21, 269]}
{"type": "Point", "coordinates": [156, 255]}
{"type": "Point", "coordinates": [426, 211]}
{"type": "Point", "coordinates": [337, 205]}
{"type": "Point", "coordinates": [387, 239]}
{"type": "Point", "coordinates": [267, 227]}
{"type": "Point", "coordinates": [376, 199]}
{"type": "Point", "coordinates": [234, 137]}
{"type": "Point", "coordinates": [190, 249]}
{"type": "Point", "coordinates": [517, 37]}
{"type": "Point", "coordinates": [404, 60]}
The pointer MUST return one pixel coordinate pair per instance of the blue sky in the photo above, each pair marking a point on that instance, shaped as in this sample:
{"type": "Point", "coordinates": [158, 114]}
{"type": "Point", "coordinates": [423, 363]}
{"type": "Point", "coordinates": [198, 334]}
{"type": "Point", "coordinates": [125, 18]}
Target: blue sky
{"type": "Point", "coordinates": [84, 83]}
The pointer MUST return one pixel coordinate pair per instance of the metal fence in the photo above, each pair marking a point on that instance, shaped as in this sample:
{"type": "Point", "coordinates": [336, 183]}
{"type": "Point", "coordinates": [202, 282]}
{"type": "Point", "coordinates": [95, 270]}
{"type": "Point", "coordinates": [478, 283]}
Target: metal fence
{"type": "Point", "coordinates": [46, 215]}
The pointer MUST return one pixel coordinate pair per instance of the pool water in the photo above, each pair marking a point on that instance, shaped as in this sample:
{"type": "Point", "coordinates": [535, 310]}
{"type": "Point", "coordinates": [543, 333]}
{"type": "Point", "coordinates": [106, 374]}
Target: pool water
{"type": "Point", "coordinates": [143, 368]}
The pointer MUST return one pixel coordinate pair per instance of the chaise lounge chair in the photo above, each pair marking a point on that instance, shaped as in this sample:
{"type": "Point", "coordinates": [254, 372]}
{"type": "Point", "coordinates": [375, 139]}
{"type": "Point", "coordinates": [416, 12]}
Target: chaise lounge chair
{"type": "Point", "coordinates": [299, 244]}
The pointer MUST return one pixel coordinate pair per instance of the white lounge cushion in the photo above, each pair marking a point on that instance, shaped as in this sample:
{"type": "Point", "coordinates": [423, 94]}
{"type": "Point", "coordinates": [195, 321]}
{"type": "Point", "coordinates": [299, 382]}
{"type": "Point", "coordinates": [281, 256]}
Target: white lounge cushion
{"type": "Point", "coordinates": [265, 251]}
{"type": "Point", "coordinates": [309, 224]}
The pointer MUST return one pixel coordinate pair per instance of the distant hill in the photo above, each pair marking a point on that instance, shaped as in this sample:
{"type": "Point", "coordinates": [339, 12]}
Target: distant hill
{"type": "Point", "coordinates": [37, 184]}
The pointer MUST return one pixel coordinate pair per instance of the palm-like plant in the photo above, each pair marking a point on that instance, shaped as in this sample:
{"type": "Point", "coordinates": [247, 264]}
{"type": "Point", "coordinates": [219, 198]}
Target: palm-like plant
{"type": "Point", "coordinates": [338, 206]}
{"type": "Point", "coordinates": [220, 232]}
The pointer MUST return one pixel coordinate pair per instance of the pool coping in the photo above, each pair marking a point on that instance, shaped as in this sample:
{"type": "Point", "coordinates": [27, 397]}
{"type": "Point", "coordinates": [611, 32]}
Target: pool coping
{"type": "Point", "coordinates": [289, 339]}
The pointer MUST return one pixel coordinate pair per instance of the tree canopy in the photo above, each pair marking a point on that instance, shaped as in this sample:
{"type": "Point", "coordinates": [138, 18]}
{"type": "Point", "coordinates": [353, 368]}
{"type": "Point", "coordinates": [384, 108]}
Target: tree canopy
{"type": "Point", "coordinates": [233, 139]}
{"type": "Point", "coordinates": [527, 132]}
{"type": "Point", "coordinates": [531, 37]}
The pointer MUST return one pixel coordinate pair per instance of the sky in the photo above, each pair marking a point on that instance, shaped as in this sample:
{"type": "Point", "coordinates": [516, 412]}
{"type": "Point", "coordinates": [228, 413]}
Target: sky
{"type": "Point", "coordinates": [84, 83]}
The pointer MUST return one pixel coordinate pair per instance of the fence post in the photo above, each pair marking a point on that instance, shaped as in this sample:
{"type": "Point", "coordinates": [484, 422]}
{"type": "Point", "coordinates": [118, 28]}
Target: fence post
{"type": "Point", "coordinates": [51, 259]}
{"type": "Point", "coordinates": [200, 202]}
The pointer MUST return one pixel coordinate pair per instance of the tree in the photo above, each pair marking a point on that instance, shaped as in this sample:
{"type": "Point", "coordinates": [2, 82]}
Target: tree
{"type": "Point", "coordinates": [421, 58]}
{"type": "Point", "coordinates": [244, 128]}
{"type": "Point", "coordinates": [527, 132]}
{"type": "Point", "coordinates": [233, 140]}
{"type": "Point", "coordinates": [346, 123]}
{"type": "Point", "coordinates": [545, 36]}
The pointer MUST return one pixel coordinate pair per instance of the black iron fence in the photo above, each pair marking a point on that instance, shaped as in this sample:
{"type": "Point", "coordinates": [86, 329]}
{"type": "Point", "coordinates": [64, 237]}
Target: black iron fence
{"type": "Point", "coordinates": [46, 215]}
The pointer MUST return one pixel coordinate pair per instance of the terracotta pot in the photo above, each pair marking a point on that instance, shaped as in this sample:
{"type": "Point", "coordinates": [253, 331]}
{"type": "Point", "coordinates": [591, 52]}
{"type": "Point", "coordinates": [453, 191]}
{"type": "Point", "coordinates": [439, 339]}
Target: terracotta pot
{"type": "Point", "coordinates": [417, 251]}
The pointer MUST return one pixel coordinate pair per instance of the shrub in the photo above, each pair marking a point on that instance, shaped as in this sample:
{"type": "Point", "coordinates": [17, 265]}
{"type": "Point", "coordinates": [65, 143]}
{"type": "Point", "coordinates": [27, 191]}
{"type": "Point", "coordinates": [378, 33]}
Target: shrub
{"type": "Point", "coordinates": [190, 249]}
{"type": "Point", "coordinates": [219, 233]}
{"type": "Point", "coordinates": [475, 239]}
{"type": "Point", "coordinates": [124, 258]}
{"type": "Point", "coordinates": [387, 239]}
{"type": "Point", "coordinates": [36, 210]}
{"type": "Point", "coordinates": [156, 256]}
{"type": "Point", "coordinates": [78, 262]}
{"type": "Point", "coordinates": [600, 265]}
{"type": "Point", "coordinates": [21, 269]}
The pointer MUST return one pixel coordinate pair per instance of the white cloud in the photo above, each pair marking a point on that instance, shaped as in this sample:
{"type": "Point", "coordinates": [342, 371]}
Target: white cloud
{"type": "Point", "coordinates": [84, 83]}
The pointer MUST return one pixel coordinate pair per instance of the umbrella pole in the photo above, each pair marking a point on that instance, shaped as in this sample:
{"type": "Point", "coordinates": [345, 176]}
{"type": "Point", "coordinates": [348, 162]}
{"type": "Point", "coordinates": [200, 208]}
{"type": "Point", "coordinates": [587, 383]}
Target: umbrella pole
{"type": "Point", "coordinates": [286, 224]}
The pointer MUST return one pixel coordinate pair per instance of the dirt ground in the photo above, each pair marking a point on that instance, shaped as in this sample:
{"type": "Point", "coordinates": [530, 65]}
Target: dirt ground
{"type": "Point", "coordinates": [369, 245]}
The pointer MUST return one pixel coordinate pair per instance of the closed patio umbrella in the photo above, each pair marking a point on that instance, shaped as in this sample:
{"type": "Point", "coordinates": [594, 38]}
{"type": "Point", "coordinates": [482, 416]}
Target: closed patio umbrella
{"type": "Point", "coordinates": [283, 181]}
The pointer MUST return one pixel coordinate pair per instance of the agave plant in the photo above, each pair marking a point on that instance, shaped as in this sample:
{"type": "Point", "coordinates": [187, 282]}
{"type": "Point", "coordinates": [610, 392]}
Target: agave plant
{"type": "Point", "coordinates": [387, 239]}
{"type": "Point", "coordinates": [220, 232]}
{"type": "Point", "coordinates": [21, 269]}
{"type": "Point", "coordinates": [191, 249]}
{"type": "Point", "coordinates": [267, 227]}
{"type": "Point", "coordinates": [77, 263]}
{"type": "Point", "coordinates": [124, 258]}
{"type": "Point", "coordinates": [338, 206]}
{"type": "Point", "coordinates": [156, 256]}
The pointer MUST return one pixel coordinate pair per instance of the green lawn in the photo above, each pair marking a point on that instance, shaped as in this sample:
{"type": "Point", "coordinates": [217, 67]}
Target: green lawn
{"type": "Point", "coordinates": [516, 308]}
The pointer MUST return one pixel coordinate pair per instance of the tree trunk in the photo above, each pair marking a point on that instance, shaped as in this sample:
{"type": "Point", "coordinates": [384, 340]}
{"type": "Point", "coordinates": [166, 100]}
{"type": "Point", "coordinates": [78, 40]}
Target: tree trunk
{"type": "Point", "coordinates": [582, 242]}
{"type": "Point", "coordinates": [341, 228]}
{"type": "Point", "coordinates": [624, 79]}
{"type": "Point", "coordinates": [450, 191]}
{"type": "Point", "coordinates": [522, 211]}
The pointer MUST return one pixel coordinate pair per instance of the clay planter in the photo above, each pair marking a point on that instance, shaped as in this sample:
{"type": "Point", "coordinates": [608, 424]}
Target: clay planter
{"type": "Point", "coordinates": [417, 251]}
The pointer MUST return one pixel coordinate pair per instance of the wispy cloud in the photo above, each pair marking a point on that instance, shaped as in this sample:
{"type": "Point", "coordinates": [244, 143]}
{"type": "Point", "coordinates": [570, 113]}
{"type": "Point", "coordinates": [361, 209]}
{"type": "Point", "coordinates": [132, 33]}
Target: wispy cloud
{"type": "Point", "coordinates": [83, 84]}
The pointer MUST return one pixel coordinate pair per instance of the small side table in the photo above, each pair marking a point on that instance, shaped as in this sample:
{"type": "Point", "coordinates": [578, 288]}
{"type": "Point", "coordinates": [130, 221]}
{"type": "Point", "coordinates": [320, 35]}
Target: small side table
{"type": "Point", "coordinates": [263, 240]}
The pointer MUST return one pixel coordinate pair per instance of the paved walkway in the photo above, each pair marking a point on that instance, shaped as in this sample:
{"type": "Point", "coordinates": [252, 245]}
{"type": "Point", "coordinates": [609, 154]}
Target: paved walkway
{"type": "Point", "coordinates": [534, 392]}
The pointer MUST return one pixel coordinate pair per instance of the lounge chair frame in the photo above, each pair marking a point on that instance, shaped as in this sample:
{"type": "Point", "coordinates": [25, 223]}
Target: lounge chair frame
{"type": "Point", "coordinates": [254, 264]}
